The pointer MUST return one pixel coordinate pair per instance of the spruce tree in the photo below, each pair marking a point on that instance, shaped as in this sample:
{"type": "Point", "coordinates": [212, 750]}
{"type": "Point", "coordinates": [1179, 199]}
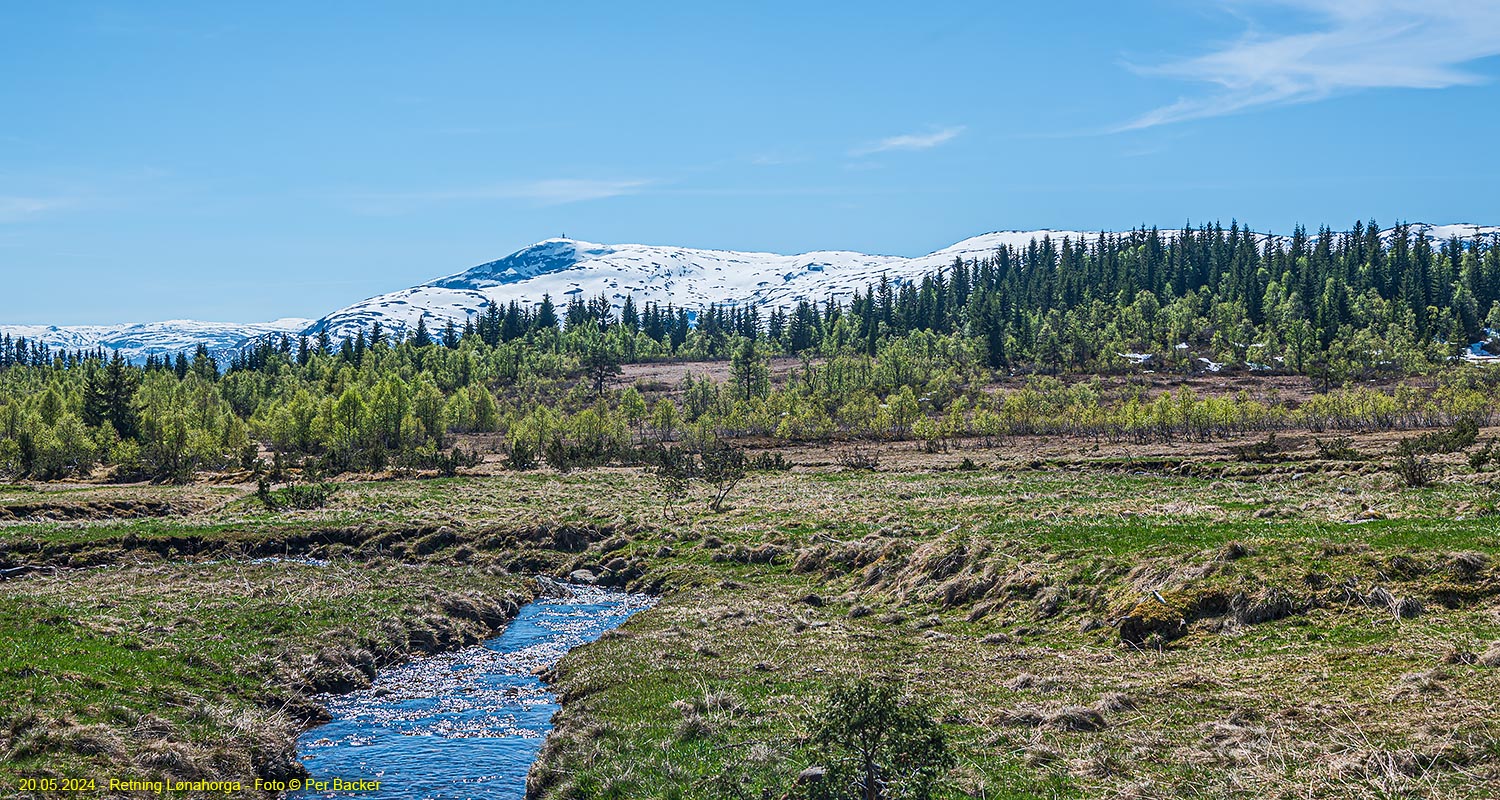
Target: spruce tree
{"type": "Point", "coordinates": [546, 315]}
{"type": "Point", "coordinates": [109, 396]}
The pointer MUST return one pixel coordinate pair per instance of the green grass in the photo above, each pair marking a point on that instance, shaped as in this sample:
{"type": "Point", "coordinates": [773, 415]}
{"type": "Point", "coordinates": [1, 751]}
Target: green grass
{"type": "Point", "coordinates": [212, 659]}
{"type": "Point", "coordinates": [1311, 704]}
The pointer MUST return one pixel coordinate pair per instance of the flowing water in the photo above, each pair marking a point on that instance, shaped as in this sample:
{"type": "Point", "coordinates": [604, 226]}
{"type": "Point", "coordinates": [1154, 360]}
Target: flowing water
{"type": "Point", "coordinates": [465, 724]}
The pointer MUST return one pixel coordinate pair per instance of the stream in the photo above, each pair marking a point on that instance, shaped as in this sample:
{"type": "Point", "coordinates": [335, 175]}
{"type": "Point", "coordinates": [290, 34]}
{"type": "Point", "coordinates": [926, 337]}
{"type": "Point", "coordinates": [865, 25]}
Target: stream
{"type": "Point", "coordinates": [460, 725]}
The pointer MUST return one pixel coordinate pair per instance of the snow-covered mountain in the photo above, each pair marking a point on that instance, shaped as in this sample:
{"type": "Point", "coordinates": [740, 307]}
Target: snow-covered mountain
{"type": "Point", "coordinates": [565, 268]}
{"type": "Point", "coordinates": [137, 340]}
{"type": "Point", "coordinates": [680, 276]}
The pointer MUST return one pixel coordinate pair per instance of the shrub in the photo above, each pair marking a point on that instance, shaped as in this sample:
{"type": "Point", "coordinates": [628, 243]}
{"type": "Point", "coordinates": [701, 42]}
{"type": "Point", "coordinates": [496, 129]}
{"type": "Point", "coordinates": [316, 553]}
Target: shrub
{"type": "Point", "coordinates": [770, 462]}
{"type": "Point", "coordinates": [49, 452]}
{"type": "Point", "coordinates": [448, 465]}
{"type": "Point", "coordinates": [719, 465]}
{"type": "Point", "coordinates": [1460, 437]}
{"type": "Point", "coordinates": [1266, 449]}
{"type": "Point", "coordinates": [1415, 472]}
{"type": "Point", "coordinates": [303, 496]}
{"type": "Point", "coordinates": [565, 455]}
{"type": "Point", "coordinates": [280, 464]}
{"type": "Point", "coordinates": [126, 455]}
{"type": "Point", "coordinates": [1340, 449]}
{"type": "Point", "coordinates": [10, 456]}
{"type": "Point", "coordinates": [560, 456]}
{"type": "Point", "coordinates": [523, 455]}
{"type": "Point", "coordinates": [674, 469]}
{"type": "Point", "coordinates": [249, 456]}
{"type": "Point", "coordinates": [723, 468]}
{"type": "Point", "coordinates": [1480, 459]}
{"type": "Point", "coordinates": [859, 457]}
{"type": "Point", "coordinates": [874, 745]}
{"type": "Point", "coordinates": [429, 457]}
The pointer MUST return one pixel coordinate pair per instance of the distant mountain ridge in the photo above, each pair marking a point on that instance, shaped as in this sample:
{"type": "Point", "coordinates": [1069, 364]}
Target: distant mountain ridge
{"type": "Point", "coordinates": [564, 268]}
{"type": "Point", "coordinates": [137, 340]}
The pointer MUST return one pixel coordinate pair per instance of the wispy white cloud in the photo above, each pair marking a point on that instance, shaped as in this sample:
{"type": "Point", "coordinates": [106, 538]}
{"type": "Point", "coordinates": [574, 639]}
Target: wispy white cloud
{"type": "Point", "coordinates": [909, 141]}
{"type": "Point", "coordinates": [550, 192]}
{"type": "Point", "coordinates": [570, 190]}
{"type": "Point", "coordinates": [16, 209]}
{"type": "Point", "coordinates": [1358, 44]}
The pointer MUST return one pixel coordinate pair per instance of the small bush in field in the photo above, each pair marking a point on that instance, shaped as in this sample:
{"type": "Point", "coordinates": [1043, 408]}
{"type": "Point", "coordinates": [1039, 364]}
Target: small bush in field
{"type": "Point", "coordinates": [875, 744]}
{"type": "Point", "coordinates": [301, 497]}
{"type": "Point", "coordinates": [1415, 472]}
{"type": "Point", "coordinates": [770, 462]}
{"type": "Point", "coordinates": [1340, 449]}
{"type": "Point", "coordinates": [859, 457]}
{"type": "Point", "coordinates": [1460, 437]}
{"type": "Point", "coordinates": [1480, 459]}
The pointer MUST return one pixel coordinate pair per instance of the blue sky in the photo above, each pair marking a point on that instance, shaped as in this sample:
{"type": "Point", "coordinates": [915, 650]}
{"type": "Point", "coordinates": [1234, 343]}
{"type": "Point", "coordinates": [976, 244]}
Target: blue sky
{"type": "Point", "coordinates": [247, 161]}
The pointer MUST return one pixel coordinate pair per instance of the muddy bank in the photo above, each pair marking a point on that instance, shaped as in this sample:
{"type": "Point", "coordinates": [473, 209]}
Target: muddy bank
{"type": "Point", "coordinates": [90, 510]}
{"type": "Point", "coordinates": [556, 550]}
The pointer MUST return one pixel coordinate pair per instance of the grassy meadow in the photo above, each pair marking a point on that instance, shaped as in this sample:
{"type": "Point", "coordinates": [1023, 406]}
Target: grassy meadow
{"type": "Point", "coordinates": [1126, 622]}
